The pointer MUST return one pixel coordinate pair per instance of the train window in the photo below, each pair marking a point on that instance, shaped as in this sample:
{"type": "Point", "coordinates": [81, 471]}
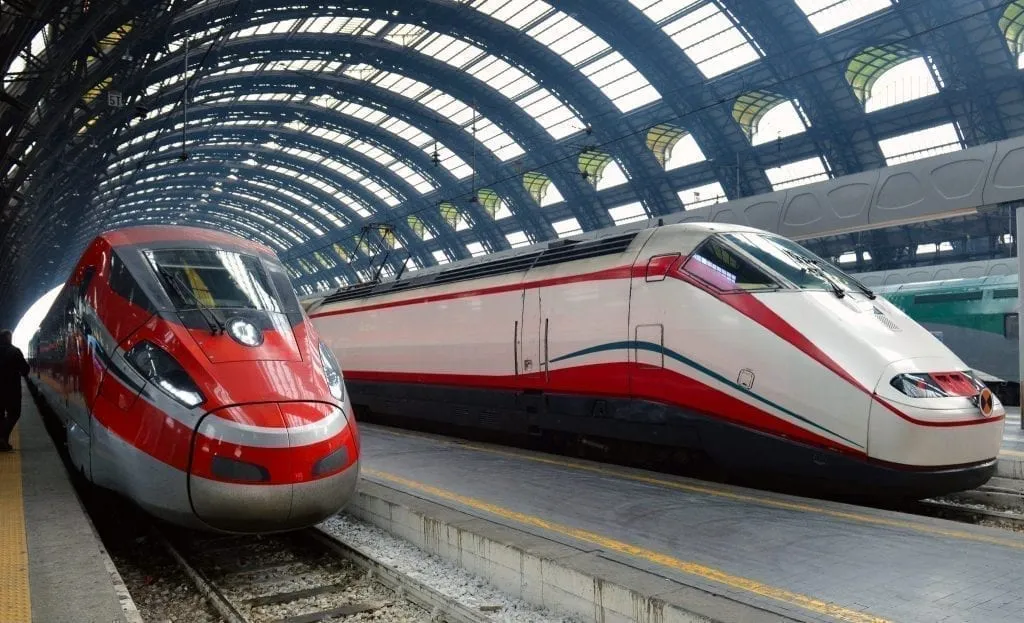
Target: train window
{"type": "Point", "coordinates": [86, 278]}
{"type": "Point", "coordinates": [284, 288]}
{"type": "Point", "coordinates": [1011, 327]}
{"type": "Point", "coordinates": [793, 262]}
{"type": "Point", "coordinates": [1008, 293]}
{"type": "Point", "coordinates": [948, 297]}
{"type": "Point", "coordinates": [725, 269]}
{"type": "Point", "coordinates": [124, 284]}
{"type": "Point", "coordinates": [195, 278]}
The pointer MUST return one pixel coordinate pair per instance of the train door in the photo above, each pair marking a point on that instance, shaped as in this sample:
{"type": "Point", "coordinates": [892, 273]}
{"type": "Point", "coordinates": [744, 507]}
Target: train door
{"type": "Point", "coordinates": [532, 369]}
{"type": "Point", "coordinates": [650, 300]}
{"type": "Point", "coordinates": [531, 360]}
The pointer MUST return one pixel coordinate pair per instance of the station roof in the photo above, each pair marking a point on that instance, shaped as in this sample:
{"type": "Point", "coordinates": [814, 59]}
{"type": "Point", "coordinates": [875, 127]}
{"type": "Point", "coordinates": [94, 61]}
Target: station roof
{"type": "Point", "coordinates": [365, 137]}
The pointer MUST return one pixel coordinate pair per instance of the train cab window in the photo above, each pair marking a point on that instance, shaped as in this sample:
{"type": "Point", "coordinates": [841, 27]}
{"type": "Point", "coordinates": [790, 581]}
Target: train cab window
{"type": "Point", "coordinates": [720, 266]}
{"type": "Point", "coordinates": [286, 293]}
{"type": "Point", "coordinates": [1011, 326]}
{"type": "Point", "coordinates": [86, 278]}
{"type": "Point", "coordinates": [124, 284]}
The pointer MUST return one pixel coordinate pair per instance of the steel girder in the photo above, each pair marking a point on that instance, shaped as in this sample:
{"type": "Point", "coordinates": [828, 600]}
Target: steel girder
{"type": "Point", "coordinates": [327, 118]}
{"type": "Point", "coordinates": [550, 71]}
{"type": "Point", "coordinates": [405, 109]}
{"type": "Point", "coordinates": [539, 147]}
{"type": "Point", "coordinates": [381, 99]}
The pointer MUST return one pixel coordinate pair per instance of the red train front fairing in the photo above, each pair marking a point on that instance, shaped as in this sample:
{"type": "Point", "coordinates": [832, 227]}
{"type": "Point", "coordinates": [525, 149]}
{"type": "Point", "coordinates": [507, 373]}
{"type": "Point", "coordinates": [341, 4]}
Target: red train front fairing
{"type": "Point", "coordinates": [202, 360]}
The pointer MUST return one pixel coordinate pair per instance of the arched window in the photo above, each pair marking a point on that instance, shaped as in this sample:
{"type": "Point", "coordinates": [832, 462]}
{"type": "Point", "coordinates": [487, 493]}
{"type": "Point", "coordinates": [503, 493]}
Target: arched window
{"type": "Point", "coordinates": [889, 75]}
{"type": "Point", "coordinates": [673, 146]}
{"type": "Point", "coordinates": [541, 188]}
{"type": "Point", "coordinates": [600, 169]}
{"type": "Point", "coordinates": [766, 116]}
{"type": "Point", "coordinates": [1012, 25]}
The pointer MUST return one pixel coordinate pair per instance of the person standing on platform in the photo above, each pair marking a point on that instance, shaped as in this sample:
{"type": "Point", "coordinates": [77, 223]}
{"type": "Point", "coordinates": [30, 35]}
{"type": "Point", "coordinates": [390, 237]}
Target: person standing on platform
{"type": "Point", "coordinates": [12, 367]}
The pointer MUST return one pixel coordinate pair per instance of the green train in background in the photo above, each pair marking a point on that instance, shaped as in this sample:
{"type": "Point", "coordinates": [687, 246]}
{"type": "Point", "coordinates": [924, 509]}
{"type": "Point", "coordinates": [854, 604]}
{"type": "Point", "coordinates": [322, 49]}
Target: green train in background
{"type": "Point", "coordinates": [976, 318]}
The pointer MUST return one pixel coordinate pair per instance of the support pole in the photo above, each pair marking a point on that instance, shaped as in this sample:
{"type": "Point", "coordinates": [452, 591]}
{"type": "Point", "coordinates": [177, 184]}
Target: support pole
{"type": "Point", "coordinates": [1018, 237]}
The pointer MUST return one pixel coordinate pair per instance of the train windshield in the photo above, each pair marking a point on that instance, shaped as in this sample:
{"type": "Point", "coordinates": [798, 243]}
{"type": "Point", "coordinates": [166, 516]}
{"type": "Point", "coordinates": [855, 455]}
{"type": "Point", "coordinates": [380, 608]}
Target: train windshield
{"type": "Point", "coordinates": [796, 264]}
{"type": "Point", "coordinates": [197, 278]}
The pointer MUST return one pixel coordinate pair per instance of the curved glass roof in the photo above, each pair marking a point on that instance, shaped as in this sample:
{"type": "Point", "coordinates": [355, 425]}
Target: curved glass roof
{"type": "Point", "coordinates": [351, 135]}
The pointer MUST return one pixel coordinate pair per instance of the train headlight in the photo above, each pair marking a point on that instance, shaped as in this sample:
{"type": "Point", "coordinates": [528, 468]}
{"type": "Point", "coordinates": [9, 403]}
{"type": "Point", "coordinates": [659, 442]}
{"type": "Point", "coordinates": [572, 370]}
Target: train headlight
{"type": "Point", "coordinates": [162, 370]}
{"type": "Point", "coordinates": [937, 384]}
{"type": "Point", "coordinates": [332, 371]}
{"type": "Point", "coordinates": [245, 332]}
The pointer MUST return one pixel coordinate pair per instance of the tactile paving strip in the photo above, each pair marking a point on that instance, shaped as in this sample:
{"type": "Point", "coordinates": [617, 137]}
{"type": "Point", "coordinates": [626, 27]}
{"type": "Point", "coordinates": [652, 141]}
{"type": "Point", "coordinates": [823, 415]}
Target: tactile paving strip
{"type": "Point", "coordinates": [15, 606]}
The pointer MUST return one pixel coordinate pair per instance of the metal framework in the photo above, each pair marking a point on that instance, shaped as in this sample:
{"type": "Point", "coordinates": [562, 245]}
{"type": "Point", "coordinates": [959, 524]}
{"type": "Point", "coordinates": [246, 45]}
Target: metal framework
{"type": "Point", "coordinates": [440, 129]}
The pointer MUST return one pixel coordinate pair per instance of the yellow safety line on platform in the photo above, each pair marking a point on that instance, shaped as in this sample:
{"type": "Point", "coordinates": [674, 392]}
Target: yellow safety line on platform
{"type": "Point", "coordinates": [658, 558]}
{"type": "Point", "coordinates": [14, 596]}
{"type": "Point", "coordinates": [1014, 453]}
{"type": "Point", "coordinates": [743, 497]}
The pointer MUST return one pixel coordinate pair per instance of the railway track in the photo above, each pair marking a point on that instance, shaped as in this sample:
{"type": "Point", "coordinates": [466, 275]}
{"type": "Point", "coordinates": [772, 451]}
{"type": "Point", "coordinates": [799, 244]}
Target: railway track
{"type": "Point", "coordinates": [999, 502]}
{"type": "Point", "coordinates": [303, 577]}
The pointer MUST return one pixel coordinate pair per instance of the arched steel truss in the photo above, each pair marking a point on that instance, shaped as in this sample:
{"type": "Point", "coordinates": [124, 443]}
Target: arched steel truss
{"type": "Point", "coordinates": [63, 191]}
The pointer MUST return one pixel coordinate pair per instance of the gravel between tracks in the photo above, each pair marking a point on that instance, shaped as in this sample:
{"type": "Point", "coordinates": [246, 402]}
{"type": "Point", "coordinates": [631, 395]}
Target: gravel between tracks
{"type": "Point", "coordinates": [449, 580]}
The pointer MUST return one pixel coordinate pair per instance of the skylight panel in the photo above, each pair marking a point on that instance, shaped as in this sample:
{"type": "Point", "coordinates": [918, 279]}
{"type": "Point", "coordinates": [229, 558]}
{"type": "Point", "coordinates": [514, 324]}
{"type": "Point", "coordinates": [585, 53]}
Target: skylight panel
{"type": "Point", "coordinates": [440, 256]}
{"type": "Point", "coordinates": [711, 39]}
{"type": "Point", "coordinates": [476, 249]}
{"type": "Point", "coordinates": [566, 228]}
{"type": "Point", "coordinates": [571, 40]}
{"type": "Point", "coordinates": [551, 114]}
{"type": "Point", "coordinates": [517, 239]}
{"type": "Point", "coordinates": [797, 173]}
{"type": "Point", "coordinates": [497, 73]}
{"type": "Point", "coordinates": [628, 213]}
{"type": "Point", "coordinates": [657, 10]}
{"type": "Point", "coordinates": [568, 38]}
{"type": "Point", "coordinates": [284, 26]}
{"type": "Point", "coordinates": [450, 107]}
{"type": "Point", "coordinates": [516, 13]}
{"type": "Point", "coordinates": [405, 34]}
{"type": "Point", "coordinates": [826, 15]}
{"type": "Point", "coordinates": [620, 81]}
{"type": "Point", "coordinates": [701, 196]}
{"type": "Point", "coordinates": [921, 144]}
{"type": "Point", "coordinates": [449, 50]}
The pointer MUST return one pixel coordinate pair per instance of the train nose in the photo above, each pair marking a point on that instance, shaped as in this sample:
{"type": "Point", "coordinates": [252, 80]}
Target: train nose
{"type": "Point", "coordinates": [271, 467]}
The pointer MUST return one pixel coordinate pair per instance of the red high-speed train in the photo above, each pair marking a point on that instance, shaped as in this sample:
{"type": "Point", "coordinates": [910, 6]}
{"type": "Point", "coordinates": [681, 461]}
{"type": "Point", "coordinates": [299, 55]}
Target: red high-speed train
{"type": "Point", "coordinates": [189, 379]}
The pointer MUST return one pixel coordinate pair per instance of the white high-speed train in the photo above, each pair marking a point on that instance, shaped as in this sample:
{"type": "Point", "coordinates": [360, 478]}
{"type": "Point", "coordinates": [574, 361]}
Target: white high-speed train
{"type": "Point", "coordinates": [702, 337]}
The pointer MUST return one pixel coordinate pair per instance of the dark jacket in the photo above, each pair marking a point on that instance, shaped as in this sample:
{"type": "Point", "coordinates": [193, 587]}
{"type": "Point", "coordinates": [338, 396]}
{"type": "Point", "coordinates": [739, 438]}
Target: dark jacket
{"type": "Point", "coordinates": [12, 367]}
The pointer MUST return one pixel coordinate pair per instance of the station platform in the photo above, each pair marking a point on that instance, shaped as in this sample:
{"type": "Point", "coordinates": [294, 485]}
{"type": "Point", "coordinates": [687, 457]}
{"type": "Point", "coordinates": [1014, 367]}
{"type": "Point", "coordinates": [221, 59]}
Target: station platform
{"type": "Point", "coordinates": [1011, 457]}
{"type": "Point", "coordinates": [53, 568]}
{"type": "Point", "coordinates": [717, 552]}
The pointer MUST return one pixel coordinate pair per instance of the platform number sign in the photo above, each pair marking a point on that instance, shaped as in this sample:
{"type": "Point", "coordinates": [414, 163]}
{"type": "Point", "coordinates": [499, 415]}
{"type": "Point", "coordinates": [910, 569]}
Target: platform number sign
{"type": "Point", "coordinates": [115, 99]}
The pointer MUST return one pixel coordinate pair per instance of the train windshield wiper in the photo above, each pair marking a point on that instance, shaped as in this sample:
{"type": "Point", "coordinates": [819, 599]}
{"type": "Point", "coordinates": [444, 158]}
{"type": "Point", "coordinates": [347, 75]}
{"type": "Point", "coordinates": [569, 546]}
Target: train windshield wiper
{"type": "Point", "coordinates": [815, 269]}
{"type": "Point", "coordinates": [185, 293]}
{"type": "Point", "coordinates": [863, 288]}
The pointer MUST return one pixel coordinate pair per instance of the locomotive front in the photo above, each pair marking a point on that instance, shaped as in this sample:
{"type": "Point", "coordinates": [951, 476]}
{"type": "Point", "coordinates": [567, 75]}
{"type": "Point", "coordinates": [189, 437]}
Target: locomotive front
{"type": "Point", "coordinates": [904, 411]}
{"type": "Point", "coordinates": [250, 404]}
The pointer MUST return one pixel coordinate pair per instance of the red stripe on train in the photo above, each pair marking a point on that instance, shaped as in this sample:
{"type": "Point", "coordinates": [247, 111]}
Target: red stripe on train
{"type": "Point", "coordinates": [608, 380]}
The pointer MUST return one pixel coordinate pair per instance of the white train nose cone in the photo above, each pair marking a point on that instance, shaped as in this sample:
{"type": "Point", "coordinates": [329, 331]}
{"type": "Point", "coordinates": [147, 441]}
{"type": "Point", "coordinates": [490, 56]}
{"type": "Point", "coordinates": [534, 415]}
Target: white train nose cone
{"type": "Point", "coordinates": [921, 427]}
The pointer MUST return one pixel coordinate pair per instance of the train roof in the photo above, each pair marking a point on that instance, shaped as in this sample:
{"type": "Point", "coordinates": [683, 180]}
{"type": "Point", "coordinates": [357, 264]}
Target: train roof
{"type": "Point", "coordinates": [577, 247]}
{"type": "Point", "coordinates": [966, 283]}
{"type": "Point", "coordinates": [146, 234]}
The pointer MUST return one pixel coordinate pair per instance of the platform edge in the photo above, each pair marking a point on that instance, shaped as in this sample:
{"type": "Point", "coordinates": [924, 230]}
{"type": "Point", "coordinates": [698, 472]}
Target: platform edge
{"type": "Point", "coordinates": [542, 572]}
